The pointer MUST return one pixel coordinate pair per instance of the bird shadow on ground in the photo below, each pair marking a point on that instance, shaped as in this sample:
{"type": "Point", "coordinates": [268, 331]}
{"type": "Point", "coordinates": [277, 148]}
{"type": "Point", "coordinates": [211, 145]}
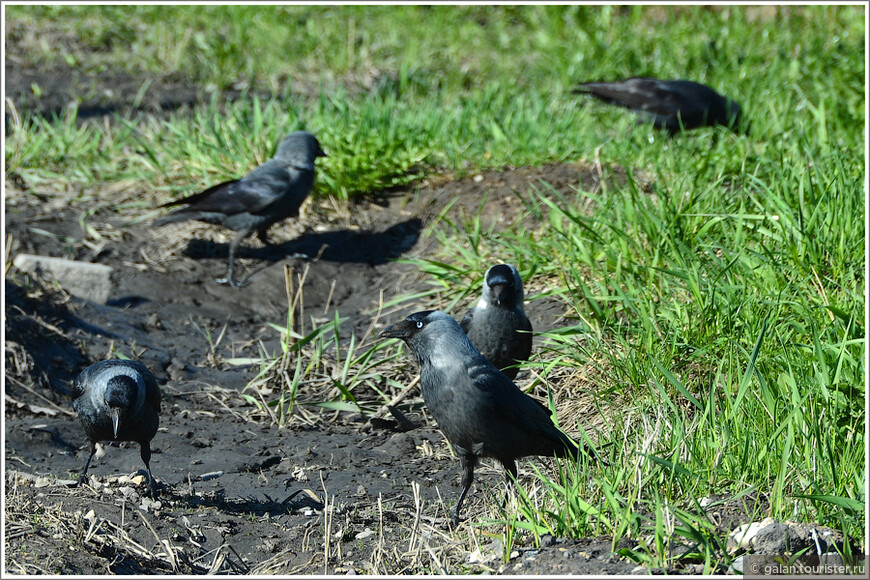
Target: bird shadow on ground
{"type": "Point", "coordinates": [250, 505]}
{"type": "Point", "coordinates": [342, 245]}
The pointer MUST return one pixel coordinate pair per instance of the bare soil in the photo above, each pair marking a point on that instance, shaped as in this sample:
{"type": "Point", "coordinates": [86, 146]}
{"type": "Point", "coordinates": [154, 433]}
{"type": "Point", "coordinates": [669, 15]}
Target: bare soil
{"type": "Point", "coordinates": [330, 492]}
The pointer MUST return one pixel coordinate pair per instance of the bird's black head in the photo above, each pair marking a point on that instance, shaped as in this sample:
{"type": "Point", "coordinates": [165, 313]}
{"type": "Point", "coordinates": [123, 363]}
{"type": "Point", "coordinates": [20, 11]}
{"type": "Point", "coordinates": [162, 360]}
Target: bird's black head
{"type": "Point", "coordinates": [504, 285]}
{"type": "Point", "coordinates": [121, 395]}
{"type": "Point", "coordinates": [432, 335]}
{"type": "Point", "coordinates": [410, 326]}
{"type": "Point", "coordinates": [298, 146]}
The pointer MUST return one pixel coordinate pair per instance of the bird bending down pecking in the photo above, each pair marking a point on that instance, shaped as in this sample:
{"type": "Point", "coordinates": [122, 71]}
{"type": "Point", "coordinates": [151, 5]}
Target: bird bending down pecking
{"type": "Point", "coordinates": [118, 400]}
{"type": "Point", "coordinates": [673, 105]}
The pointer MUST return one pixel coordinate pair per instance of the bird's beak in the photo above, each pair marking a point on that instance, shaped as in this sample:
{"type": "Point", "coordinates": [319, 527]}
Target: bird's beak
{"type": "Point", "coordinates": [115, 413]}
{"type": "Point", "coordinates": [321, 153]}
{"type": "Point", "coordinates": [402, 329]}
{"type": "Point", "coordinates": [498, 289]}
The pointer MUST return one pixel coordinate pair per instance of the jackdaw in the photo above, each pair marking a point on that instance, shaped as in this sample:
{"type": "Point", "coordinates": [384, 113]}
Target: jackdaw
{"type": "Point", "coordinates": [119, 400]}
{"type": "Point", "coordinates": [497, 325]}
{"type": "Point", "coordinates": [672, 105]}
{"type": "Point", "coordinates": [270, 193]}
{"type": "Point", "coordinates": [480, 411]}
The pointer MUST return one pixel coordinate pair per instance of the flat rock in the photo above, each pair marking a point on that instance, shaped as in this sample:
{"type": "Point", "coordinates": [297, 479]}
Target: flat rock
{"type": "Point", "coordinates": [82, 279]}
{"type": "Point", "coordinates": [772, 537]}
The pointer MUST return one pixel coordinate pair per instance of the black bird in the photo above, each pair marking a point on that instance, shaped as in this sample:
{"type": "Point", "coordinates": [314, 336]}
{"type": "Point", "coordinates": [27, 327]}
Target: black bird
{"type": "Point", "coordinates": [270, 193]}
{"type": "Point", "coordinates": [672, 105]}
{"type": "Point", "coordinates": [480, 411]}
{"type": "Point", "coordinates": [497, 325]}
{"type": "Point", "coordinates": [118, 400]}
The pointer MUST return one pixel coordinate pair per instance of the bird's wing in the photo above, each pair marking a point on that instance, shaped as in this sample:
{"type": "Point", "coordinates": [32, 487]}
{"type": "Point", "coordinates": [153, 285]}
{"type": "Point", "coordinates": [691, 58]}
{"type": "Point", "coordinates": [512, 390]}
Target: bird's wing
{"type": "Point", "coordinates": [525, 323]}
{"type": "Point", "coordinates": [639, 93]}
{"type": "Point", "coordinates": [525, 328]}
{"type": "Point", "coordinates": [201, 196]}
{"type": "Point", "coordinates": [465, 324]}
{"type": "Point", "coordinates": [253, 193]}
{"type": "Point", "coordinates": [152, 392]}
{"type": "Point", "coordinates": [508, 403]}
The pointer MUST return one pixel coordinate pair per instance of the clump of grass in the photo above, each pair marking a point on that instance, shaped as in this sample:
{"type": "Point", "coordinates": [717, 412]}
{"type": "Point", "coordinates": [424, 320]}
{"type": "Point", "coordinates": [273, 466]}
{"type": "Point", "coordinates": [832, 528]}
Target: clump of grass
{"type": "Point", "coordinates": [469, 110]}
{"type": "Point", "coordinates": [317, 362]}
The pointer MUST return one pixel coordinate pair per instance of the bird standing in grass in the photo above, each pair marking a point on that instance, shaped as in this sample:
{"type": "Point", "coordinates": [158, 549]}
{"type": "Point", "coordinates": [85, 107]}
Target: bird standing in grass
{"type": "Point", "coordinates": [497, 325]}
{"type": "Point", "coordinates": [673, 105]}
{"type": "Point", "coordinates": [480, 411]}
{"type": "Point", "coordinates": [270, 193]}
{"type": "Point", "coordinates": [118, 400]}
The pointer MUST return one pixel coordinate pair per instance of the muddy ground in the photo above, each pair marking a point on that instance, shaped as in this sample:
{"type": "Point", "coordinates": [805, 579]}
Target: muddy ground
{"type": "Point", "coordinates": [330, 492]}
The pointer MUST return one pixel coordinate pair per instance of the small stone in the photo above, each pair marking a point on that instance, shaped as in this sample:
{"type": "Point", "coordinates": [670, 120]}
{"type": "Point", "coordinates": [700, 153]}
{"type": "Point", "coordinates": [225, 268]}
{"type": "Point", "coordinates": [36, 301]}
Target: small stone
{"type": "Point", "coordinates": [149, 504]}
{"type": "Point", "coordinates": [129, 494]}
{"type": "Point", "coordinates": [742, 537]}
{"type": "Point", "coordinates": [83, 279]}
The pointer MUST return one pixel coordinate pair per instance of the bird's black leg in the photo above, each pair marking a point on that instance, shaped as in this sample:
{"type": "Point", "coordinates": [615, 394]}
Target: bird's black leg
{"type": "Point", "coordinates": [467, 462]}
{"type": "Point", "coordinates": [234, 248]}
{"type": "Point", "coordinates": [87, 464]}
{"type": "Point", "coordinates": [145, 453]}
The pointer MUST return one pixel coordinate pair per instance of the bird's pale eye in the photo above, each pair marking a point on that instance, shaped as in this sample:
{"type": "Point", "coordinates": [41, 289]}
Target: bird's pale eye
{"type": "Point", "coordinates": [419, 324]}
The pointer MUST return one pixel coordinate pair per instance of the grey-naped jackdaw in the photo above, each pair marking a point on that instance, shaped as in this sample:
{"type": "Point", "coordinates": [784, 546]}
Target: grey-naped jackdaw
{"type": "Point", "coordinates": [270, 193]}
{"type": "Point", "coordinates": [480, 411]}
{"type": "Point", "coordinates": [497, 325]}
{"type": "Point", "coordinates": [672, 105]}
{"type": "Point", "coordinates": [118, 400]}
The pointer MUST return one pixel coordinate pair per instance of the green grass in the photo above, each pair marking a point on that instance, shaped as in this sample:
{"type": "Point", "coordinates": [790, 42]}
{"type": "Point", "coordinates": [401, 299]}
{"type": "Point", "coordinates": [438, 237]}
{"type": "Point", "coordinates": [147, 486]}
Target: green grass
{"type": "Point", "coordinates": [726, 305]}
{"type": "Point", "coordinates": [492, 88]}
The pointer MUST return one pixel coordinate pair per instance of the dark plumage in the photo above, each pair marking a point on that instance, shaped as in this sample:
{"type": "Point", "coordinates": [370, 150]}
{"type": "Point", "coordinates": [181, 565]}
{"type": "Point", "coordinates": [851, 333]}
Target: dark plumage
{"type": "Point", "coordinates": [497, 325]}
{"type": "Point", "coordinates": [480, 411]}
{"type": "Point", "coordinates": [671, 105]}
{"type": "Point", "coordinates": [270, 193]}
{"type": "Point", "coordinates": [118, 400]}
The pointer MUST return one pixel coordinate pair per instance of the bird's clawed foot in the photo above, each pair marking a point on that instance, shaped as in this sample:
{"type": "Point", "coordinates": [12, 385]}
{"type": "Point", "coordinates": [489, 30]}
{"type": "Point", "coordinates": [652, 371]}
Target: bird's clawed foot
{"type": "Point", "coordinates": [230, 281]}
{"type": "Point", "coordinates": [450, 524]}
{"type": "Point", "coordinates": [153, 489]}
{"type": "Point", "coordinates": [454, 521]}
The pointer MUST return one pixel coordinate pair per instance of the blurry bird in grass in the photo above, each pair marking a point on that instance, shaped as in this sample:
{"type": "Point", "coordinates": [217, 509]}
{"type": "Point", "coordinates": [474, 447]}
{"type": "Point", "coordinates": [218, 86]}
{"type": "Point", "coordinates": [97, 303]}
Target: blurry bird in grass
{"type": "Point", "coordinates": [673, 105]}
